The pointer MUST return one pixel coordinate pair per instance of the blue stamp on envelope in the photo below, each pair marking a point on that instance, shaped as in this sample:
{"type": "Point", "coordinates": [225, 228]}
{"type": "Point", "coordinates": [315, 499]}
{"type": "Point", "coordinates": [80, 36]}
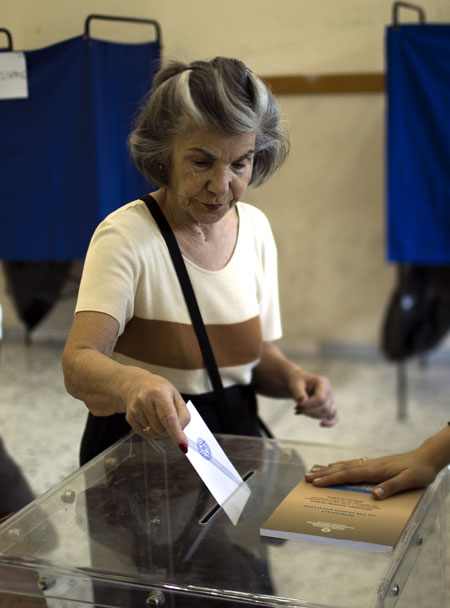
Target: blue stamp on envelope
{"type": "Point", "coordinates": [204, 449]}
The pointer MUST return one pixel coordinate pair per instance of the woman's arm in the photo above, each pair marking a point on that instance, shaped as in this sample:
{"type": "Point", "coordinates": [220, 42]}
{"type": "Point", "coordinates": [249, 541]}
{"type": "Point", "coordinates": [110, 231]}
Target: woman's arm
{"type": "Point", "coordinates": [108, 387]}
{"type": "Point", "coordinates": [276, 376]}
{"type": "Point", "coordinates": [414, 469]}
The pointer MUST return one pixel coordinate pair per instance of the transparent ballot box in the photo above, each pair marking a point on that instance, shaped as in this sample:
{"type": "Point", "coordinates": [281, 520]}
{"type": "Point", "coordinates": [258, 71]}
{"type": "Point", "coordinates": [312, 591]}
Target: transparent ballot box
{"type": "Point", "coordinates": [137, 527]}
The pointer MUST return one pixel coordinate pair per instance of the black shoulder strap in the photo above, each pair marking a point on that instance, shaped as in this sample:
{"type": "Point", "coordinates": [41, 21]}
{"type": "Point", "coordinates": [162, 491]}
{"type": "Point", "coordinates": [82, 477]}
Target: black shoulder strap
{"type": "Point", "coordinates": [228, 423]}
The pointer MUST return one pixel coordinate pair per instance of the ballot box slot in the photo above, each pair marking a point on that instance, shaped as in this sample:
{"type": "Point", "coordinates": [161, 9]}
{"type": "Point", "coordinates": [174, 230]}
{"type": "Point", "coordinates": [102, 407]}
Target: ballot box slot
{"type": "Point", "coordinates": [216, 507]}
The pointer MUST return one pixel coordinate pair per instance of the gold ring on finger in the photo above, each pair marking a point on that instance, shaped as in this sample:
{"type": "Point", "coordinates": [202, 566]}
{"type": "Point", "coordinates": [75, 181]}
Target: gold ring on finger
{"type": "Point", "coordinates": [147, 429]}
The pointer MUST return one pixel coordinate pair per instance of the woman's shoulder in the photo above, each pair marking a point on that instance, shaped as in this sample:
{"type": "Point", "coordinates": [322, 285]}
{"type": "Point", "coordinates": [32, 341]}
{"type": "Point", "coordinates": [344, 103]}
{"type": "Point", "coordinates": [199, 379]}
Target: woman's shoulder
{"type": "Point", "coordinates": [128, 213]}
{"type": "Point", "coordinates": [254, 218]}
{"type": "Point", "coordinates": [128, 226]}
{"type": "Point", "coordinates": [132, 218]}
{"type": "Point", "coordinates": [251, 212]}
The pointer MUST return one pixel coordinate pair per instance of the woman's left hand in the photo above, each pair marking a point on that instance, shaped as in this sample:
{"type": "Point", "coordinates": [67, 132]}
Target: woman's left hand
{"type": "Point", "coordinates": [314, 397]}
{"type": "Point", "coordinates": [276, 376]}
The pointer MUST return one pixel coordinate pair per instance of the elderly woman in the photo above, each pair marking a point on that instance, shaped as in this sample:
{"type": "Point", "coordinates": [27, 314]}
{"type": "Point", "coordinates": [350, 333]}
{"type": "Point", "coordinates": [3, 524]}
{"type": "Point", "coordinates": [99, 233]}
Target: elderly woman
{"type": "Point", "coordinates": [207, 131]}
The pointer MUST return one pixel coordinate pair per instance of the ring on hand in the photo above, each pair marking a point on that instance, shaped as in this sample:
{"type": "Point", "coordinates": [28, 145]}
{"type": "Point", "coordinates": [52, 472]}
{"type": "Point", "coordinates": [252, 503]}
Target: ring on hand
{"type": "Point", "coordinates": [363, 459]}
{"type": "Point", "coordinates": [147, 429]}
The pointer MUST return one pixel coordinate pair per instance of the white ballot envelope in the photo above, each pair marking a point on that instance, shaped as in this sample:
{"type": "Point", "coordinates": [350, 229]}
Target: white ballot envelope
{"type": "Point", "coordinates": [214, 467]}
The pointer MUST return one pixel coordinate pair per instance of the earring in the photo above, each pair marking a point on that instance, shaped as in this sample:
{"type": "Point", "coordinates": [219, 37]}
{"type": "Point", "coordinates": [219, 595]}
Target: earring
{"type": "Point", "coordinates": [161, 167]}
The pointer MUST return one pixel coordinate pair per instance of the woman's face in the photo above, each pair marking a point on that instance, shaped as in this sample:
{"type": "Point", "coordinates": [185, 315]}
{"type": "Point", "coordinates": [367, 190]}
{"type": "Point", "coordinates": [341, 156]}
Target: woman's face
{"type": "Point", "coordinates": [209, 172]}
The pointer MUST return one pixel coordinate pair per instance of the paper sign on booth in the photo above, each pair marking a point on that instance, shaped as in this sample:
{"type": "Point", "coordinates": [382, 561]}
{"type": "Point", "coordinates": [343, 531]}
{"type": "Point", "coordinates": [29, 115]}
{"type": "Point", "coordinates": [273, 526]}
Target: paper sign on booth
{"type": "Point", "coordinates": [13, 76]}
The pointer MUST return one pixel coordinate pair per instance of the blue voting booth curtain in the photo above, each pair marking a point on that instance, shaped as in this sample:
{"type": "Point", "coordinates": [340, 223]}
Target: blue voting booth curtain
{"type": "Point", "coordinates": [418, 144]}
{"type": "Point", "coordinates": [64, 163]}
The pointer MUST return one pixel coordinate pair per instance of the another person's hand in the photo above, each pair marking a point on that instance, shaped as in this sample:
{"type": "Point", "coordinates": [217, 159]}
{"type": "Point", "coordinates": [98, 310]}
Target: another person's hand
{"type": "Point", "coordinates": [314, 397]}
{"type": "Point", "coordinates": [393, 474]}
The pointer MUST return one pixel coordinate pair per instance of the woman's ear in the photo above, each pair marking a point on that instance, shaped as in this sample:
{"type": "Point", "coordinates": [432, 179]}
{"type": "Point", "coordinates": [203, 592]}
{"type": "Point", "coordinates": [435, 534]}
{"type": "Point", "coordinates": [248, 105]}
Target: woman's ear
{"type": "Point", "coordinates": [163, 173]}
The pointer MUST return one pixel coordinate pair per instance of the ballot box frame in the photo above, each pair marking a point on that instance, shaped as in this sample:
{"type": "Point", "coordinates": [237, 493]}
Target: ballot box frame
{"type": "Point", "coordinates": [72, 544]}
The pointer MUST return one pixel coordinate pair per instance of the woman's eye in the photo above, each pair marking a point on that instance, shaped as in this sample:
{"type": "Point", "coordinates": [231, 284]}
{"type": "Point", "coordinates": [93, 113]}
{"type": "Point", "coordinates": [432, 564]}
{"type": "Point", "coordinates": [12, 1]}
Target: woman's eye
{"type": "Point", "coordinates": [201, 163]}
{"type": "Point", "coordinates": [239, 166]}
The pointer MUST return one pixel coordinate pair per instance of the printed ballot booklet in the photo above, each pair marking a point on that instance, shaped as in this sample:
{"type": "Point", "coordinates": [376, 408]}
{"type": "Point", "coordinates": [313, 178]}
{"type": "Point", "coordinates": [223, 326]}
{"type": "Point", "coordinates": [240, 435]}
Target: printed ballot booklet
{"type": "Point", "coordinates": [347, 516]}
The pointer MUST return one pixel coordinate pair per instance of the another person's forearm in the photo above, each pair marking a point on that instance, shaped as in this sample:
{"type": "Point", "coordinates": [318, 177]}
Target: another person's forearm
{"type": "Point", "coordinates": [436, 449]}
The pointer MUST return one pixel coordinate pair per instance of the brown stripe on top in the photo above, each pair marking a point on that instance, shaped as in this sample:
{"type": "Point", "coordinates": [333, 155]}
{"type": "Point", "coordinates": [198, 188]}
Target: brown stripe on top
{"type": "Point", "coordinates": [175, 345]}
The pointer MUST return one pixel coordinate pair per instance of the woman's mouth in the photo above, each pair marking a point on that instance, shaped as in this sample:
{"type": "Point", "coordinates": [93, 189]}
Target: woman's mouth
{"type": "Point", "coordinates": [212, 207]}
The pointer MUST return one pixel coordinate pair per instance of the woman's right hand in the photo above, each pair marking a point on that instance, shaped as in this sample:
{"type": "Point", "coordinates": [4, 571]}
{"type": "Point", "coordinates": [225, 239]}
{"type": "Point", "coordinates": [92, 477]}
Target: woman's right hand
{"type": "Point", "coordinates": [154, 407]}
{"type": "Point", "coordinates": [108, 387]}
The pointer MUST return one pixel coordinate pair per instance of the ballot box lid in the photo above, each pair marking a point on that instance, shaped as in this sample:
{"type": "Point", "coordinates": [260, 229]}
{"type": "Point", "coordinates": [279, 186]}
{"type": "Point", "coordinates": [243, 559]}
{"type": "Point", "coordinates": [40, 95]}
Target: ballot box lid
{"type": "Point", "coordinates": [137, 526]}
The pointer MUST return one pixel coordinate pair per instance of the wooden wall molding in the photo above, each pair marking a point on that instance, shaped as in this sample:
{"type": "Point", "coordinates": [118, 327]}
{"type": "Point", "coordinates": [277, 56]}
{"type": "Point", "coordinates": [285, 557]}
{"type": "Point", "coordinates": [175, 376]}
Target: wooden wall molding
{"type": "Point", "coordinates": [370, 82]}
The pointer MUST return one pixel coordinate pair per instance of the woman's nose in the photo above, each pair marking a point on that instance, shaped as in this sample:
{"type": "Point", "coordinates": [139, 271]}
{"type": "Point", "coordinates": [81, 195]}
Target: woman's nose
{"type": "Point", "coordinates": [219, 181]}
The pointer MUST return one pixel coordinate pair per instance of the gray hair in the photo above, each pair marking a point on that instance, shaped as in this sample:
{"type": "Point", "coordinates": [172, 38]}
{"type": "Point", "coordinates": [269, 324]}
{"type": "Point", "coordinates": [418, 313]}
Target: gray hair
{"type": "Point", "coordinates": [223, 94]}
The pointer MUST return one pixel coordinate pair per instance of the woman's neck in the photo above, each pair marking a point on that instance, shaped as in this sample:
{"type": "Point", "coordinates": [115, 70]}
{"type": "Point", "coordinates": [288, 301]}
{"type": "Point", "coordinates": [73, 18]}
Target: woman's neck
{"type": "Point", "coordinates": [209, 246]}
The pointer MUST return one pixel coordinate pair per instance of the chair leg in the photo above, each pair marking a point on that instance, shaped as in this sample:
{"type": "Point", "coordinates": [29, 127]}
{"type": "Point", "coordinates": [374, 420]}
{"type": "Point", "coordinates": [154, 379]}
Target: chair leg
{"type": "Point", "coordinates": [402, 391]}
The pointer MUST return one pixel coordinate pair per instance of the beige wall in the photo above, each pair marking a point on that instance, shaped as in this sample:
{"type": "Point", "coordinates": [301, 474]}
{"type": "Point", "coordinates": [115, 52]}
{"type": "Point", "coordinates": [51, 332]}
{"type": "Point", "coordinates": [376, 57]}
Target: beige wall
{"type": "Point", "coordinates": [326, 205]}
